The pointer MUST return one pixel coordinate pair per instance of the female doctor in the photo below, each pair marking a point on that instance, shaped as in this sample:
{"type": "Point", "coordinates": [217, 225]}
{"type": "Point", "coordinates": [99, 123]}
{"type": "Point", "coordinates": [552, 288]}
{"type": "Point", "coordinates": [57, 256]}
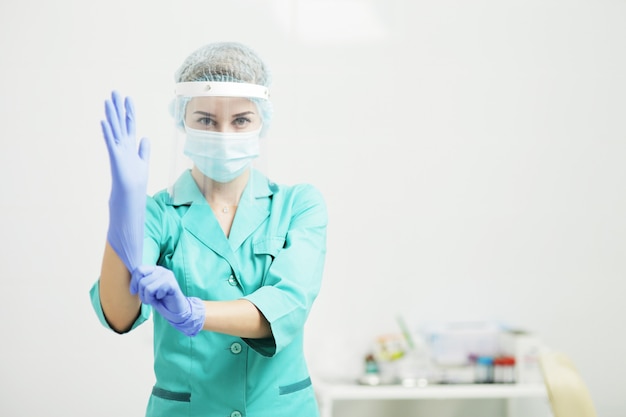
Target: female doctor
{"type": "Point", "coordinates": [229, 262]}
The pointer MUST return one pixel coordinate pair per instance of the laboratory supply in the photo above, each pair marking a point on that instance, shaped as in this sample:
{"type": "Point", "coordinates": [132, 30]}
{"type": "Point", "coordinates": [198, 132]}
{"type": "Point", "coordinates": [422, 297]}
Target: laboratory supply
{"type": "Point", "coordinates": [158, 287]}
{"type": "Point", "coordinates": [388, 350]}
{"type": "Point", "coordinates": [452, 343]}
{"type": "Point", "coordinates": [504, 370]}
{"type": "Point", "coordinates": [451, 374]}
{"type": "Point", "coordinates": [526, 347]}
{"type": "Point", "coordinates": [483, 370]}
{"type": "Point", "coordinates": [415, 367]}
{"type": "Point", "coordinates": [405, 332]}
{"type": "Point", "coordinates": [129, 172]}
{"type": "Point", "coordinates": [371, 375]}
{"type": "Point", "coordinates": [371, 367]}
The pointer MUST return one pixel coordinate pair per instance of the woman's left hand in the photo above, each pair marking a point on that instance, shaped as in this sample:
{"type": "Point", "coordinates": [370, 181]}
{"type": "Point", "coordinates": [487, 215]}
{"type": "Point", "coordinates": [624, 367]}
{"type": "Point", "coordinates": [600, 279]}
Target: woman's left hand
{"type": "Point", "coordinates": [157, 286]}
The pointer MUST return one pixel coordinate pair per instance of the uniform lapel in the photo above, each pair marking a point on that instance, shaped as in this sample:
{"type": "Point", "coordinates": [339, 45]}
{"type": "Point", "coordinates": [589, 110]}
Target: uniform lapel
{"type": "Point", "coordinates": [201, 223]}
{"type": "Point", "coordinates": [199, 220]}
{"type": "Point", "coordinates": [252, 211]}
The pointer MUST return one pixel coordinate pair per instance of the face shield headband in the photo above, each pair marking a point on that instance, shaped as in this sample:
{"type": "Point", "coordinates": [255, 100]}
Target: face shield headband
{"type": "Point", "coordinates": [221, 89]}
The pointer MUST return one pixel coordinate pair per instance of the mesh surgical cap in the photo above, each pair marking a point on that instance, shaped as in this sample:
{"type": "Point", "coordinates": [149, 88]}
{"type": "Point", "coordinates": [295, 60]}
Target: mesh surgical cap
{"type": "Point", "coordinates": [226, 62]}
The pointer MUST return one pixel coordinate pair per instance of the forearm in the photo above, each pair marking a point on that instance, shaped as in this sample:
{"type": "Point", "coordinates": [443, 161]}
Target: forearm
{"type": "Point", "coordinates": [119, 306]}
{"type": "Point", "coordinates": [237, 318]}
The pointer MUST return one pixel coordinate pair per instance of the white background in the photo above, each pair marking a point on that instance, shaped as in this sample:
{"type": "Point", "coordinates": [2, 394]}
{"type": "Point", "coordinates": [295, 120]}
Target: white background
{"type": "Point", "coordinates": [471, 154]}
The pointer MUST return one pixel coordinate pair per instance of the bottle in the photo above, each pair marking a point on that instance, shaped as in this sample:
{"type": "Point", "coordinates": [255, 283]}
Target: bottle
{"type": "Point", "coordinates": [371, 376]}
{"type": "Point", "coordinates": [504, 370]}
{"type": "Point", "coordinates": [483, 370]}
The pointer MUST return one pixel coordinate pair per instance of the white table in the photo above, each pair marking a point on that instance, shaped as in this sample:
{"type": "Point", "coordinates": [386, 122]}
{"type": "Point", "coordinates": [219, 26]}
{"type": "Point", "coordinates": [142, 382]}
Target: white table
{"type": "Point", "coordinates": [329, 393]}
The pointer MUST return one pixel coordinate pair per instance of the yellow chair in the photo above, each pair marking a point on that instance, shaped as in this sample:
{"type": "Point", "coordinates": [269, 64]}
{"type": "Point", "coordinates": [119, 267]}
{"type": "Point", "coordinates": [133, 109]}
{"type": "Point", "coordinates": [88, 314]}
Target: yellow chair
{"type": "Point", "coordinates": [569, 396]}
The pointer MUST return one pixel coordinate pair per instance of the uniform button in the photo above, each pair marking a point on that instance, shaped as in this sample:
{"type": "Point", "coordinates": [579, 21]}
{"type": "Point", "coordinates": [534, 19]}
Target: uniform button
{"type": "Point", "coordinates": [232, 280]}
{"type": "Point", "coordinates": [235, 414]}
{"type": "Point", "coordinates": [235, 348]}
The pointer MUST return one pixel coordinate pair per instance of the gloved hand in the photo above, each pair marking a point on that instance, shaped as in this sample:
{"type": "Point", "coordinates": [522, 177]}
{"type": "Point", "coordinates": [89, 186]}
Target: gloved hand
{"type": "Point", "coordinates": [158, 287]}
{"type": "Point", "coordinates": [129, 172]}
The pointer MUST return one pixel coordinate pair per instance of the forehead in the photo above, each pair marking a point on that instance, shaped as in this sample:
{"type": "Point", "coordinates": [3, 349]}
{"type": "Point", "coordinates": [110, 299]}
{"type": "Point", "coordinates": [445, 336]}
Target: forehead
{"type": "Point", "coordinates": [221, 105]}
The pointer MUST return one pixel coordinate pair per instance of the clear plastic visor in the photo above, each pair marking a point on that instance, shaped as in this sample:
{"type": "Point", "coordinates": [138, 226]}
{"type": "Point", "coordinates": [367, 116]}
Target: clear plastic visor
{"type": "Point", "coordinates": [218, 136]}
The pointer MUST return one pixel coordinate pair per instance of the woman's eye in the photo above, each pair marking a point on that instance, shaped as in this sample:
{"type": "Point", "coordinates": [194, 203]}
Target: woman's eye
{"type": "Point", "coordinates": [206, 121]}
{"type": "Point", "coordinates": [241, 121]}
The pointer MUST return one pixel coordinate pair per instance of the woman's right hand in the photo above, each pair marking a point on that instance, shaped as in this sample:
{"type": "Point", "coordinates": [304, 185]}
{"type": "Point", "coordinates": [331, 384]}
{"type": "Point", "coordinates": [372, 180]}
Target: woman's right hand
{"type": "Point", "coordinates": [129, 165]}
{"type": "Point", "coordinates": [129, 174]}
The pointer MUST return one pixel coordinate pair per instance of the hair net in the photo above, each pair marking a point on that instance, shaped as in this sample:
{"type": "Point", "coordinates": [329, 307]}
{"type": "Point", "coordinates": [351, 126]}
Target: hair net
{"type": "Point", "coordinates": [226, 62]}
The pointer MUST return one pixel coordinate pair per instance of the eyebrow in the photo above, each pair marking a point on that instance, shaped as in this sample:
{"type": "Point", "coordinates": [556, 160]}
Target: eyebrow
{"type": "Point", "coordinates": [243, 114]}
{"type": "Point", "coordinates": [204, 113]}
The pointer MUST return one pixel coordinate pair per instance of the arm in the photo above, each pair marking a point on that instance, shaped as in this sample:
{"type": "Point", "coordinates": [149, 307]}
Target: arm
{"type": "Point", "coordinates": [293, 280]}
{"type": "Point", "coordinates": [127, 204]}
{"type": "Point", "coordinates": [119, 306]}
{"type": "Point", "coordinates": [157, 286]}
{"type": "Point", "coordinates": [237, 318]}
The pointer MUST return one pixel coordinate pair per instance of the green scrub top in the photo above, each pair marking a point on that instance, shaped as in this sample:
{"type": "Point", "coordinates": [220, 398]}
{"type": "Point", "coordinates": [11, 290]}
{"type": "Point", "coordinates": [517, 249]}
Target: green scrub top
{"type": "Point", "coordinates": [274, 258]}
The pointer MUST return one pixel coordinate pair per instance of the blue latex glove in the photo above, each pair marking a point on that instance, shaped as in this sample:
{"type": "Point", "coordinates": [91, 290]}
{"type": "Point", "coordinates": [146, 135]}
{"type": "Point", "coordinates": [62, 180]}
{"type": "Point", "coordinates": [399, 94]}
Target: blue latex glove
{"type": "Point", "coordinates": [129, 172]}
{"type": "Point", "coordinates": [158, 287]}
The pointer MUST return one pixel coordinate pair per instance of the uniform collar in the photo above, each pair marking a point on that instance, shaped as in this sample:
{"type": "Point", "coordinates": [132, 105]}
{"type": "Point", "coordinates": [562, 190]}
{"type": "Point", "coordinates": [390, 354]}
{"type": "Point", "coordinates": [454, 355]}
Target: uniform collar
{"type": "Point", "coordinates": [185, 191]}
{"type": "Point", "coordinates": [250, 213]}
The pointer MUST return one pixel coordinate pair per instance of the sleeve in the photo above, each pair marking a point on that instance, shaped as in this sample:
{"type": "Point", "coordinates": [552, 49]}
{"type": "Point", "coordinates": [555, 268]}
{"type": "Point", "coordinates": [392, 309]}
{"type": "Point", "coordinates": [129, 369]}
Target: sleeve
{"type": "Point", "coordinates": [144, 314]}
{"type": "Point", "coordinates": [154, 230]}
{"type": "Point", "coordinates": [294, 279]}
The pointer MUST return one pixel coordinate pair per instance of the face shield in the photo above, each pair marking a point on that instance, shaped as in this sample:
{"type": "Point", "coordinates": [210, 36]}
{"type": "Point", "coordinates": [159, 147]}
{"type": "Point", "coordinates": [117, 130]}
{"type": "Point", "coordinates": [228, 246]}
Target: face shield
{"type": "Point", "coordinates": [218, 131]}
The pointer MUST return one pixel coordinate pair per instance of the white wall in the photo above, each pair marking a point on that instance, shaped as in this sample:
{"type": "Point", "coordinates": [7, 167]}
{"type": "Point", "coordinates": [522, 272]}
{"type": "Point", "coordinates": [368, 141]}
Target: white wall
{"type": "Point", "coordinates": [471, 153]}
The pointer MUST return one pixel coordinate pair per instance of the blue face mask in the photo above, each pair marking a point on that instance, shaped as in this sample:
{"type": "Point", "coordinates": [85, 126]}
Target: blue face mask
{"type": "Point", "coordinates": [221, 156]}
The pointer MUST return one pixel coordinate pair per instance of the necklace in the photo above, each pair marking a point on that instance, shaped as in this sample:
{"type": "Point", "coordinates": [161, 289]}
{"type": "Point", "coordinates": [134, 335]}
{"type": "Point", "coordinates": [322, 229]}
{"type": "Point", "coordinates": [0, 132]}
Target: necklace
{"type": "Point", "coordinates": [223, 207]}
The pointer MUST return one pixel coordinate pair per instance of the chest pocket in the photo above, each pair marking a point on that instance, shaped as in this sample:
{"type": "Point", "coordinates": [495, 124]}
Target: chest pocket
{"type": "Point", "coordinates": [268, 246]}
{"type": "Point", "coordinates": [264, 251]}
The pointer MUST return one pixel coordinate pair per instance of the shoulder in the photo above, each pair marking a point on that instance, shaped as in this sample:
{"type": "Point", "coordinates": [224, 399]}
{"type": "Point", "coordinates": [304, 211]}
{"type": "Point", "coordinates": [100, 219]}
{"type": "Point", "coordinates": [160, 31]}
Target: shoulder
{"type": "Point", "coordinates": [300, 199]}
{"type": "Point", "coordinates": [303, 193]}
{"type": "Point", "coordinates": [160, 207]}
{"type": "Point", "coordinates": [158, 202]}
{"type": "Point", "coordinates": [162, 197]}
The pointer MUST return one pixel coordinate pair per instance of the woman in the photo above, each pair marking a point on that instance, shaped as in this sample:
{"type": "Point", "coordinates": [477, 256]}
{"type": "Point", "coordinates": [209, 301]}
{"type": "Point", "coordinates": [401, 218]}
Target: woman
{"type": "Point", "coordinates": [229, 262]}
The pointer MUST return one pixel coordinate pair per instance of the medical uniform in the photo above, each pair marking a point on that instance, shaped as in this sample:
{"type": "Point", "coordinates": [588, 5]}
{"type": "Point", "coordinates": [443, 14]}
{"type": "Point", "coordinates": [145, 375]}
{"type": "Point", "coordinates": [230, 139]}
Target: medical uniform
{"type": "Point", "coordinates": [273, 257]}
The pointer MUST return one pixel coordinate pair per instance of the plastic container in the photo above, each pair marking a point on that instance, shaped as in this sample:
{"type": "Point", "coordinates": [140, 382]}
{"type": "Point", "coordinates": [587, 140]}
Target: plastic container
{"type": "Point", "coordinates": [483, 370]}
{"type": "Point", "coordinates": [504, 370]}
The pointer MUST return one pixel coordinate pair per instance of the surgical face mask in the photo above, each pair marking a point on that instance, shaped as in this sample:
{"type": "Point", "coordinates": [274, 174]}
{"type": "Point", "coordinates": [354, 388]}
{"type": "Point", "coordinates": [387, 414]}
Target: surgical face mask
{"type": "Point", "coordinates": [221, 156]}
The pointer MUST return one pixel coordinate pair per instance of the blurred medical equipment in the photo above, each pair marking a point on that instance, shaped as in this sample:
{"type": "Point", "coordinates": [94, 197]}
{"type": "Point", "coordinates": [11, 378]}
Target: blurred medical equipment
{"type": "Point", "coordinates": [129, 171]}
{"type": "Point", "coordinates": [454, 343]}
{"type": "Point", "coordinates": [568, 394]}
{"type": "Point", "coordinates": [399, 359]}
{"type": "Point", "coordinates": [457, 353]}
